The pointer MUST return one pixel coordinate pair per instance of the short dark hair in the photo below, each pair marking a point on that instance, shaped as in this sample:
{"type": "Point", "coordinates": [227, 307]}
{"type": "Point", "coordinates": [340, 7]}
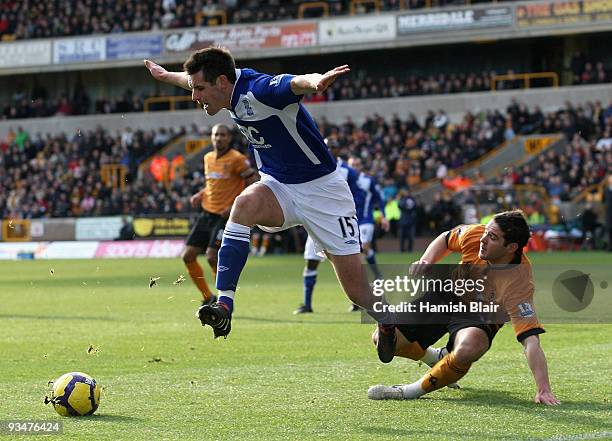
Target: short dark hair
{"type": "Point", "coordinates": [212, 62]}
{"type": "Point", "coordinates": [514, 226]}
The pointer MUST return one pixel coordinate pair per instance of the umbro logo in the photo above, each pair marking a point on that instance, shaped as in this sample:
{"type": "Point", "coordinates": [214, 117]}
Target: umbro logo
{"type": "Point", "coordinates": [222, 268]}
{"type": "Point", "coordinates": [351, 242]}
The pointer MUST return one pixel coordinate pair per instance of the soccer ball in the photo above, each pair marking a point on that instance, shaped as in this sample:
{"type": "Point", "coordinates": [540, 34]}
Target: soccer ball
{"type": "Point", "coordinates": [74, 394]}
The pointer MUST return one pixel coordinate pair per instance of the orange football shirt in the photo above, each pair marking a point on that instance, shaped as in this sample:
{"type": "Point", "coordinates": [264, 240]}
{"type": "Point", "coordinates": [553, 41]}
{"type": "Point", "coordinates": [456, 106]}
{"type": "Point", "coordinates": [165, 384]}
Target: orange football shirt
{"type": "Point", "coordinates": [224, 179]}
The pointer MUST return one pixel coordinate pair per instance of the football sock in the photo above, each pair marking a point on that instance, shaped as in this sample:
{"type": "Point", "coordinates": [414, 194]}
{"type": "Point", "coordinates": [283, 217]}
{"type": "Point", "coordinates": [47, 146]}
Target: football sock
{"type": "Point", "coordinates": [371, 259]}
{"type": "Point", "coordinates": [446, 371]}
{"type": "Point", "coordinates": [431, 356]}
{"type": "Point", "coordinates": [413, 350]}
{"type": "Point", "coordinates": [197, 275]}
{"type": "Point", "coordinates": [232, 258]}
{"type": "Point", "coordinates": [255, 241]}
{"type": "Point", "coordinates": [310, 279]}
{"type": "Point", "coordinates": [265, 243]}
{"type": "Point", "coordinates": [226, 298]}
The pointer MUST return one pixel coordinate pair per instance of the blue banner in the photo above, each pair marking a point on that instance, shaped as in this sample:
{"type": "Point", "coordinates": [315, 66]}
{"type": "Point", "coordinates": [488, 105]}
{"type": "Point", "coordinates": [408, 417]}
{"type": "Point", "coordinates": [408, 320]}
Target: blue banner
{"type": "Point", "coordinates": [125, 48]}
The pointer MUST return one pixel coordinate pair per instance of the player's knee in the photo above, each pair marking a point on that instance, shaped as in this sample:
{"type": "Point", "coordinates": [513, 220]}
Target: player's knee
{"type": "Point", "coordinates": [469, 351]}
{"type": "Point", "coordinates": [245, 208]}
{"type": "Point", "coordinates": [189, 255]}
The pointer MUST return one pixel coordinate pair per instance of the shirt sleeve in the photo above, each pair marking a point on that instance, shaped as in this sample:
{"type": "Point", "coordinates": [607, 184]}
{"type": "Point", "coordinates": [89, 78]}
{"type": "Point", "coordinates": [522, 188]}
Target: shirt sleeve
{"type": "Point", "coordinates": [455, 238]}
{"type": "Point", "coordinates": [276, 91]}
{"type": "Point", "coordinates": [518, 303]}
{"type": "Point", "coordinates": [241, 164]}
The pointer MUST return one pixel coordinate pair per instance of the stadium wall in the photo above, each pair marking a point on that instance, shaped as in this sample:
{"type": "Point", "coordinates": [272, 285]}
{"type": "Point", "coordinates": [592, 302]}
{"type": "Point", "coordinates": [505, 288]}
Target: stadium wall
{"type": "Point", "coordinates": [455, 105]}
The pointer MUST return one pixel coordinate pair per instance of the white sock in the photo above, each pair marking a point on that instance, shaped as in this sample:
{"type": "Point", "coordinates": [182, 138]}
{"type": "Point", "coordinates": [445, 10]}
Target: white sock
{"type": "Point", "coordinates": [431, 356]}
{"type": "Point", "coordinates": [229, 294]}
{"type": "Point", "coordinates": [412, 391]}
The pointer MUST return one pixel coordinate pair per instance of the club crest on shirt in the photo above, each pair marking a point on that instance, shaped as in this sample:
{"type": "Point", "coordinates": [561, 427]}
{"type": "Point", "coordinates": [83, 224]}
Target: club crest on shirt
{"type": "Point", "coordinates": [247, 106]}
{"type": "Point", "coordinates": [526, 310]}
{"type": "Point", "coordinates": [276, 80]}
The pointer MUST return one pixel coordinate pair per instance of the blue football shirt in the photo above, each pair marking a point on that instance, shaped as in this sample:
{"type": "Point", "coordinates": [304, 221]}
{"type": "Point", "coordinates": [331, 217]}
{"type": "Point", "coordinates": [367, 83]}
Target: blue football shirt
{"type": "Point", "coordinates": [283, 137]}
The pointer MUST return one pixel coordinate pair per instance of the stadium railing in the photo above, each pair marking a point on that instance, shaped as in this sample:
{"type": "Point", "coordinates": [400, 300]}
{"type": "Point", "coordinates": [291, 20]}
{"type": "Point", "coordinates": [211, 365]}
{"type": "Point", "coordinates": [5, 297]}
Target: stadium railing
{"type": "Point", "coordinates": [215, 18]}
{"type": "Point", "coordinates": [114, 174]}
{"type": "Point", "coordinates": [526, 78]}
{"type": "Point", "coordinates": [322, 6]}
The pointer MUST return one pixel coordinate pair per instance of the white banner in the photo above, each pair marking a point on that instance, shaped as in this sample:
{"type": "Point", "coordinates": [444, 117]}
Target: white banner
{"type": "Point", "coordinates": [357, 30]}
{"type": "Point", "coordinates": [98, 228]}
{"type": "Point", "coordinates": [71, 250]}
{"type": "Point", "coordinates": [79, 50]}
{"type": "Point", "coordinates": [35, 53]}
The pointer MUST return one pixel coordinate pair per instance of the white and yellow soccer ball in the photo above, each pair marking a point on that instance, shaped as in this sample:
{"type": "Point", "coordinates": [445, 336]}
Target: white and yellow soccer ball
{"type": "Point", "coordinates": [75, 394]}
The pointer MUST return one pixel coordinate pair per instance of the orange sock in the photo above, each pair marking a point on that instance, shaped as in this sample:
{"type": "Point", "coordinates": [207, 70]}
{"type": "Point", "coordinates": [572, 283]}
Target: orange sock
{"type": "Point", "coordinates": [266, 241]}
{"type": "Point", "coordinates": [414, 351]}
{"type": "Point", "coordinates": [445, 372]}
{"type": "Point", "coordinates": [197, 275]}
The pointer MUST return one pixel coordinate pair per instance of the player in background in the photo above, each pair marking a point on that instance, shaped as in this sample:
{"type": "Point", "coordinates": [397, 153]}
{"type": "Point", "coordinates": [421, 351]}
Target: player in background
{"type": "Point", "coordinates": [227, 173]}
{"type": "Point", "coordinates": [299, 184]}
{"type": "Point", "coordinates": [312, 258]}
{"type": "Point", "coordinates": [368, 196]}
{"type": "Point", "coordinates": [499, 245]}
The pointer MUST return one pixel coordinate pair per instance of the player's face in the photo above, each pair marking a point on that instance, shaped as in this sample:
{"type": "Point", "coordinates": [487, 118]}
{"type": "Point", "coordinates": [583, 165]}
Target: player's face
{"type": "Point", "coordinates": [211, 97]}
{"type": "Point", "coordinates": [220, 138]}
{"type": "Point", "coordinates": [492, 246]}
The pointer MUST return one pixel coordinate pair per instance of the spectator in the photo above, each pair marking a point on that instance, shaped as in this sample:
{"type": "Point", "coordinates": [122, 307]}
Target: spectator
{"type": "Point", "coordinates": [408, 220]}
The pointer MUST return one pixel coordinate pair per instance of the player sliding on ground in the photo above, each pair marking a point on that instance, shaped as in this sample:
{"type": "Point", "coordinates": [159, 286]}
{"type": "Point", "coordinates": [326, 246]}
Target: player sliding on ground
{"type": "Point", "coordinates": [499, 245]}
{"type": "Point", "coordinates": [299, 182]}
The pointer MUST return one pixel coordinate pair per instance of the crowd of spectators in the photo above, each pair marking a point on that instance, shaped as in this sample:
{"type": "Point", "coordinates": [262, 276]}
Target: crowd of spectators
{"type": "Point", "coordinates": [27, 19]}
{"type": "Point", "coordinates": [35, 102]}
{"type": "Point", "coordinates": [59, 176]}
{"type": "Point", "coordinates": [586, 160]}
{"type": "Point", "coordinates": [586, 71]}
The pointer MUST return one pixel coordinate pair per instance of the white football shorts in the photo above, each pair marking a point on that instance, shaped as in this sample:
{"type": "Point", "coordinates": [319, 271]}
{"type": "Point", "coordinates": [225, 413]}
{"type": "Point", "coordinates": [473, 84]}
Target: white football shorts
{"type": "Point", "coordinates": [324, 207]}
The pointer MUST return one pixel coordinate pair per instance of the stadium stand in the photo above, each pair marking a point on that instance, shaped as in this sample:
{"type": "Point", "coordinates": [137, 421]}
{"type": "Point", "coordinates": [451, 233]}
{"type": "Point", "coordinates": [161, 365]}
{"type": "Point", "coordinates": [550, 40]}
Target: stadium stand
{"type": "Point", "coordinates": [401, 153]}
{"type": "Point", "coordinates": [36, 103]}
{"type": "Point", "coordinates": [29, 20]}
{"type": "Point", "coordinates": [60, 176]}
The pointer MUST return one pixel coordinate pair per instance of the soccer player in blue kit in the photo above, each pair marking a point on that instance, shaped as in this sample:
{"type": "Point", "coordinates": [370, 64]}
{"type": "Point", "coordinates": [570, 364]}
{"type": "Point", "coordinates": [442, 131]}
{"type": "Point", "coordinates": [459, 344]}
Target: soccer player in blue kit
{"type": "Point", "coordinates": [299, 183]}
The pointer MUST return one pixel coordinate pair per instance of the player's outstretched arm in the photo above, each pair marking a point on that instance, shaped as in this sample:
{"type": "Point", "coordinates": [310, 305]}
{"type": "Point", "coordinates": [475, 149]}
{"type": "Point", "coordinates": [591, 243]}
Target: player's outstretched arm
{"type": "Point", "coordinates": [180, 79]}
{"type": "Point", "coordinates": [539, 368]}
{"type": "Point", "coordinates": [315, 82]}
{"type": "Point", "coordinates": [435, 252]}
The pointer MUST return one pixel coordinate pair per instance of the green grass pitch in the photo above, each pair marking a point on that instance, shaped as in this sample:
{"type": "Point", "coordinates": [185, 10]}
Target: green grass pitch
{"type": "Point", "coordinates": [278, 376]}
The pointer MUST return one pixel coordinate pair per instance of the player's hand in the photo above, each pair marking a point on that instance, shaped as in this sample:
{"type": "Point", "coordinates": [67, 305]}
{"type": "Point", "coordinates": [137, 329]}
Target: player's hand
{"type": "Point", "coordinates": [546, 397]}
{"type": "Point", "coordinates": [418, 268]}
{"type": "Point", "coordinates": [158, 72]}
{"type": "Point", "coordinates": [384, 223]}
{"type": "Point", "coordinates": [195, 200]}
{"type": "Point", "coordinates": [330, 76]}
